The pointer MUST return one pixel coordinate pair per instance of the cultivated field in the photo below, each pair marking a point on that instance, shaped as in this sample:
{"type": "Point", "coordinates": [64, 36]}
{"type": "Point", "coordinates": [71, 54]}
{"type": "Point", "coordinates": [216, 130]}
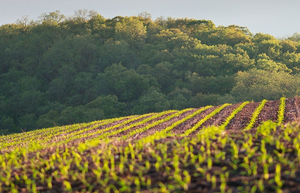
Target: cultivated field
{"type": "Point", "coordinates": [245, 147]}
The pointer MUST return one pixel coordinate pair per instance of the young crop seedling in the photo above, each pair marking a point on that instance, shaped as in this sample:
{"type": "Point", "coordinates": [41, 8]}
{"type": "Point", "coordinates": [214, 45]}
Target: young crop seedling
{"type": "Point", "coordinates": [281, 111]}
{"type": "Point", "coordinates": [255, 115]}
{"type": "Point", "coordinates": [93, 156]}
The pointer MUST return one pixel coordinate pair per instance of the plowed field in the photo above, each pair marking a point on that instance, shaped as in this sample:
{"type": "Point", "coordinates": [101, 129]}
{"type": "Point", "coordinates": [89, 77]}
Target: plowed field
{"type": "Point", "coordinates": [245, 147]}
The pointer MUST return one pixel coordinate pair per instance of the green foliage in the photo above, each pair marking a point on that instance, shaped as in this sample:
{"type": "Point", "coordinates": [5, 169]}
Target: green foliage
{"type": "Point", "coordinates": [63, 64]}
{"type": "Point", "coordinates": [152, 101]}
{"type": "Point", "coordinates": [202, 99]}
{"type": "Point", "coordinates": [47, 120]}
{"type": "Point", "coordinates": [281, 111]}
{"type": "Point", "coordinates": [7, 124]}
{"type": "Point", "coordinates": [255, 115]}
{"type": "Point", "coordinates": [130, 29]}
{"type": "Point", "coordinates": [110, 105]}
{"type": "Point", "coordinates": [259, 84]}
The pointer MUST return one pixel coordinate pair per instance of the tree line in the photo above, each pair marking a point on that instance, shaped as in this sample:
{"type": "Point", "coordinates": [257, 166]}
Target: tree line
{"type": "Point", "coordinates": [61, 70]}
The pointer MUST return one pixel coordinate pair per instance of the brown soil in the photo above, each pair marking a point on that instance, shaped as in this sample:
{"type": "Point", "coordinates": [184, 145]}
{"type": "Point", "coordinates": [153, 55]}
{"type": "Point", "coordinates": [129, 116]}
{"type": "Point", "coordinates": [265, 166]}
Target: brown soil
{"type": "Point", "coordinates": [143, 125]}
{"type": "Point", "coordinates": [198, 183]}
{"type": "Point", "coordinates": [241, 119]}
{"type": "Point", "coordinates": [191, 122]}
{"type": "Point", "coordinates": [292, 109]}
{"type": "Point", "coordinates": [105, 126]}
{"type": "Point", "coordinates": [269, 112]}
{"type": "Point", "coordinates": [162, 126]}
{"type": "Point", "coordinates": [219, 118]}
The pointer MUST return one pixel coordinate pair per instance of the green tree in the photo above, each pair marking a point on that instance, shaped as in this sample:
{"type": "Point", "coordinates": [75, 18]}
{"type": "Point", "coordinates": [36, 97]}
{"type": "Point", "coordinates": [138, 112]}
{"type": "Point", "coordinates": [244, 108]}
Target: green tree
{"type": "Point", "coordinates": [109, 104]}
{"type": "Point", "coordinates": [49, 119]}
{"type": "Point", "coordinates": [288, 46]}
{"type": "Point", "coordinates": [292, 61]}
{"type": "Point", "coordinates": [163, 74]}
{"type": "Point", "coordinates": [52, 18]}
{"type": "Point", "coordinates": [116, 52]}
{"type": "Point", "coordinates": [259, 84]}
{"type": "Point", "coordinates": [237, 62]}
{"type": "Point", "coordinates": [131, 30]}
{"type": "Point", "coordinates": [295, 37]}
{"type": "Point", "coordinates": [265, 63]}
{"type": "Point", "coordinates": [7, 125]}
{"type": "Point", "coordinates": [179, 98]}
{"type": "Point", "coordinates": [209, 65]}
{"type": "Point", "coordinates": [152, 101]}
{"type": "Point", "coordinates": [71, 115]}
{"type": "Point", "coordinates": [126, 84]}
{"type": "Point", "coordinates": [201, 100]}
{"type": "Point", "coordinates": [28, 122]}
{"type": "Point", "coordinates": [210, 84]}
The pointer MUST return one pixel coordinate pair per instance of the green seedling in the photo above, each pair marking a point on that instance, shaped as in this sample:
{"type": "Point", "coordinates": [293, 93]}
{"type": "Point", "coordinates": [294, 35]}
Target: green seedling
{"type": "Point", "coordinates": [255, 115]}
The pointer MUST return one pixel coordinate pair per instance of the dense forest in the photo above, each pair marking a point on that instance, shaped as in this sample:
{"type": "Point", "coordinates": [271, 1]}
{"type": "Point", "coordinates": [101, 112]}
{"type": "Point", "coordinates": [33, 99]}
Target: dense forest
{"type": "Point", "coordinates": [60, 70]}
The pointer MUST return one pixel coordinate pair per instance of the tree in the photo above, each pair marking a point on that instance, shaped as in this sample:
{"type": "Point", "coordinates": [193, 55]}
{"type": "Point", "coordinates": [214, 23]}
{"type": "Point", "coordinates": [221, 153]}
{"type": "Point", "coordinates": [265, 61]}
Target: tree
{"type": "Point", "coordinates": [118, 80]}
{"type": "Point", "coordinates": [52, 18]}
{"type": "Point", "coordinates": [230, 35]}
{"type": "Point", "coordinates": [24, 22]}
{"type": "Point", "coordinates": [131, 30]}
{"type": "Point", "coordinates": [259, 84]}
{"type": "Point", "coordinates": [292, 61]}
{"type": "Point", "coordinates": [152, 101]}
{"type": "Point", "coordinates": [7, 125]}
{"type": "Point", "coordinates": [116, 52]}
{"type": "Point", "coordinates": [49, 119]}
{"type": "Point", "coordinates": [81, 88]}
{"type": "Point", "coordinates": [163, 74]}
{"type": "Point", "coordinates": [295, 37]}
{"type": "Point", "coordinates": [76, 51]}
{"type": "Point", "coordinates": [71, 115]}
{"type": "Point", "coordinates": [265, 63]}
{"type": "Point", "coordinates": [210, 85]}
{"type": "Point", "coordinates": [201, 100]}
{"type": "Point", "coordinates": [288, 46]}
{"type": "Point", "coordinates": [237, 62]}
{"type": "Point", "coordinates": [62, 70]}
{"type": "Point", "coordinates": [28, 122]}
{"type": "Point", "coordinates": [179, 98]}
{"type": "Point", "coordinates": [110, 105]}
{"type": "Point", "coordinates": [82, 15]}
{"type": "Point", "coordinates": [145, 15]}
{"type": "Point", "coordinates": [209, 65]}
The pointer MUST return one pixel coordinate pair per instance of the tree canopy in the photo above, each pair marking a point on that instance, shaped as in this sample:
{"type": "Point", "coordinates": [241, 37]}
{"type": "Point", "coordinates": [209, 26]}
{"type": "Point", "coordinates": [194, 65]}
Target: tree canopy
{"type": "Point", "coordinates": [66, 69]}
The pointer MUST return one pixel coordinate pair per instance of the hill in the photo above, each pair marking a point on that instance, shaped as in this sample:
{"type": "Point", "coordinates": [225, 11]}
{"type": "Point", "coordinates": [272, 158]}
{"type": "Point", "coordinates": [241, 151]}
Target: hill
{"type": "Point", "coordinates": [60, 70]}
{"type": "Point", "coordinates": [245, 147]}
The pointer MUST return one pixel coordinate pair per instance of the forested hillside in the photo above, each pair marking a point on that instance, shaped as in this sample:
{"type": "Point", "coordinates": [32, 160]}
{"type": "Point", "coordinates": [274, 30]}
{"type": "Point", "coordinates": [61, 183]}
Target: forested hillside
{"type": "Point", "coordinates": [61, 70]}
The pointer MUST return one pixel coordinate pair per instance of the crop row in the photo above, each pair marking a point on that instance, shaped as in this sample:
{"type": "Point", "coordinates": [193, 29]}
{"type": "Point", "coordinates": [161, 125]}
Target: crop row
{"type": "Point", "coordinates": [196, 126]}
{"type": "Point", "coordinates": [63, 135]}
{"type": "Point", "coordinates": [255, 115]}
{"type": "Point", "coordinates": [210, 160]}
{"type": "Point", "coordinates": [281, 111]}
{"type": "Point", "coordinates": [57, 131]}
{"type": "Point", "coordinates": [165, 132]}
{"type": "Point", "coordinates": [206, 161]}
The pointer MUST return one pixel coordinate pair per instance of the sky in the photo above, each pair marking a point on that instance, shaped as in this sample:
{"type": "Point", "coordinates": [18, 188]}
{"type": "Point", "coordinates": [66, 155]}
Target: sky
{"type": "Point", "coordinates": [276, 17]}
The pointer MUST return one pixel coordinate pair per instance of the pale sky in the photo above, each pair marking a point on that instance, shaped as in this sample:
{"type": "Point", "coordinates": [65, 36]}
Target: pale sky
{"type": "Point", "coordinates": [279, 18]}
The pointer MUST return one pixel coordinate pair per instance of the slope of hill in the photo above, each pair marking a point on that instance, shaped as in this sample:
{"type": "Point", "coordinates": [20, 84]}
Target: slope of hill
{"type": "Point", "coordinates": [62, 70]}
{"type": "Point", "coordinates": [246, 147]}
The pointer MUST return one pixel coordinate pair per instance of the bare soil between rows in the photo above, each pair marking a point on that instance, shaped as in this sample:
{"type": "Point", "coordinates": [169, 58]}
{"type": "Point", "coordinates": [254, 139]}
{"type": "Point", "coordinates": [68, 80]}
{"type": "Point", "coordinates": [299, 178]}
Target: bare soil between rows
{"type": "Point", "coordinates": [243, 117]}
{"type": "Point", "coordinates": [292, 110]}
{"type": "Point", "coordinates": [239, 122]}
{"type": "Point", "coordinates": [191, 122]}
{"type": "Point", "coordinates": [198, 183]}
